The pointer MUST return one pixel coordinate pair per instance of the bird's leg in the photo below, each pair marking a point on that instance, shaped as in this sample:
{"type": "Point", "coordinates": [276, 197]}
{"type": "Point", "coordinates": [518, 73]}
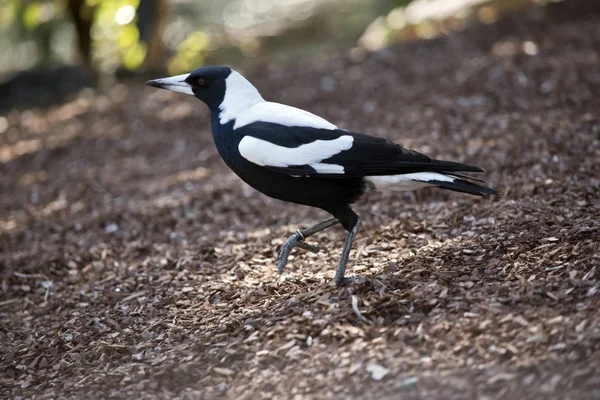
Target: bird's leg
{"type": "Point", "coordinates": [297, 240]}
{"type": "Point", "coordinates": [338, 278]}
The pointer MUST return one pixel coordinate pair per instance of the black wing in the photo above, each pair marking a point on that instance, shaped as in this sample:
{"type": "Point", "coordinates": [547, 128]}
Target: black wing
{"type": "Point", "coordinates": [368, 156]}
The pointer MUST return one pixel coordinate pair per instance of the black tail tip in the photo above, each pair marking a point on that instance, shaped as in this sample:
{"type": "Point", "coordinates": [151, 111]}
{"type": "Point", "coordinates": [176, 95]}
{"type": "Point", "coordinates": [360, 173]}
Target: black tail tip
{"type": "Point", "coordinates": [464, 186]}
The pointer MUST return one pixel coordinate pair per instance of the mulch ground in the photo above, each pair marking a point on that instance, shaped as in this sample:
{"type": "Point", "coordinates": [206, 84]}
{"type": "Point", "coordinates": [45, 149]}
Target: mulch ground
{"type": "Point", "coordinates": [136, 265]}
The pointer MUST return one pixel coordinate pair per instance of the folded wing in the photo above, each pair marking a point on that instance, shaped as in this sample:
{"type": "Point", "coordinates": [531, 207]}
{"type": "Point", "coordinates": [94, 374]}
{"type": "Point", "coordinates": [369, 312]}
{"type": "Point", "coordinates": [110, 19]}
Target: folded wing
{"type": "Point", "coordinates": [334, 153]}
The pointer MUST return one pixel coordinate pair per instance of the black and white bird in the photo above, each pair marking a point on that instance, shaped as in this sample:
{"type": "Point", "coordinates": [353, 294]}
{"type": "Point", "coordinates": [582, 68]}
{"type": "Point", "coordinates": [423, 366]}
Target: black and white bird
{"type": "Point", "coordinates": [293, 155]}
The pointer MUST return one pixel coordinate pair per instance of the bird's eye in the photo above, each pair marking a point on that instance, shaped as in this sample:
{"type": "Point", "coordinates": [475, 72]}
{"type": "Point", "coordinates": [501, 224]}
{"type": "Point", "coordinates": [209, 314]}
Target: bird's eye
{"type": "Point", "coordinates": [201, 82]}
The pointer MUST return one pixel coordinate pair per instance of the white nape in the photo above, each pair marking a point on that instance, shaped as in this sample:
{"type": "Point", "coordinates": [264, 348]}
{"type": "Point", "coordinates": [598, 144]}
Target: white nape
{"type": "Point", "coordinates": [264, 153]}
{"type": "Point", "coordinates": [177, 83]}
{"type": "Point", "coordinates": [240, 95]}
{"type": "Point", "coordinates": [404, 182]}
{"type": "Point", "coordinates": [244, 104]}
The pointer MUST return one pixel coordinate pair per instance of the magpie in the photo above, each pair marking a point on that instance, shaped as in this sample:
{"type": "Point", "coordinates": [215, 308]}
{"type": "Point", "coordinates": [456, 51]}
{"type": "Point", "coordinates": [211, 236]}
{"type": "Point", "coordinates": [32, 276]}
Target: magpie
{"type": "Point", "coordinates": [296, 156]}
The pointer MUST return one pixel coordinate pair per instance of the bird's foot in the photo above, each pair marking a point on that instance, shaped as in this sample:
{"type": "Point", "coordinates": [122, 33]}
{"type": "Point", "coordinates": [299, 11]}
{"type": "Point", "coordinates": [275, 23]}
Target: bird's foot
{"type": "Point", "coordinates": [296, 240]}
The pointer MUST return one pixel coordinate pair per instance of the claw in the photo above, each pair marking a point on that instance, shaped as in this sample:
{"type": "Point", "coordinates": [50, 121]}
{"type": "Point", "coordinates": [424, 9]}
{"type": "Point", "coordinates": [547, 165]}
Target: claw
{"type": "Point", "coordinates": [313, 248]}
{"type": "Point", "coordinates": [296, 240]}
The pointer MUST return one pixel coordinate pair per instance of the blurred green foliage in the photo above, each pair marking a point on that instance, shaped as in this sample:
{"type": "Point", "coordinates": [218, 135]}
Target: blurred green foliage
{"type": "Point", "coordinates": [180, 35]}
{"type": "Point", "coordinates": [114, 36]}
{"type": "Point", "coordinates": [190, 53]}
{"type": "Point", "coordinates": [108, 35]}
{"type": "Point", "coordinates": [116, 39]}
{"type": "Point", "coordinates": [36, 13]}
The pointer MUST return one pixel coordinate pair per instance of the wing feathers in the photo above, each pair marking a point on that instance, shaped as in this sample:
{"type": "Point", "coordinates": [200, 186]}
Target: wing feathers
{"type": "Point", "coordinates": [301, 151]}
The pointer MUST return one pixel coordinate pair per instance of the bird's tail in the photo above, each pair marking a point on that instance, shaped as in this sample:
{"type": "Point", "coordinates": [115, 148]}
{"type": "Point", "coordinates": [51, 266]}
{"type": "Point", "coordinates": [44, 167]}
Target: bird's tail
{"type": "Point", "coordinates": [446, 180]}
{"type": "Point", "coordinates": [464, 184]}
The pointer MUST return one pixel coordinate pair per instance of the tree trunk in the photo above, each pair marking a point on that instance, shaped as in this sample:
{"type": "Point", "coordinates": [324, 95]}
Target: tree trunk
{"type": "Point", "coordinates": [83, 17]}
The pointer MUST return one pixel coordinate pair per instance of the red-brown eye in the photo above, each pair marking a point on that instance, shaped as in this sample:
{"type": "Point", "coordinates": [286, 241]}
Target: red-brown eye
{"type": "Point", "coordinates": [201, 82]}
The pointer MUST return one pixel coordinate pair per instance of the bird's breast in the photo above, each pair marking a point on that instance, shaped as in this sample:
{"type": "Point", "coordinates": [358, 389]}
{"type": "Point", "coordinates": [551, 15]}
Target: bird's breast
{"type": "Point", "coordinates": [227, 142]}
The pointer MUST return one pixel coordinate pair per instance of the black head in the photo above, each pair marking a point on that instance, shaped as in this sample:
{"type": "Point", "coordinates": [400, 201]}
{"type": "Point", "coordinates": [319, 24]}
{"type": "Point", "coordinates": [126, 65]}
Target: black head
{"type": "Point", "coordinates": [207, 84]}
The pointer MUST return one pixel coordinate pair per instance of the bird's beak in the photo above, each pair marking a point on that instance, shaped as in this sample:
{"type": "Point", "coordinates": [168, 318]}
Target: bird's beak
{"type": "Point", "coordinates": [175, 83]}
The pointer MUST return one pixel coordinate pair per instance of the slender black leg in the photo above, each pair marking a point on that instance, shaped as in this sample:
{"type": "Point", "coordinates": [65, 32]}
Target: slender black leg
{"type": "Point", "coordinates": [338, 278]}
{"type": "Point", "coordinates": [297, 240]}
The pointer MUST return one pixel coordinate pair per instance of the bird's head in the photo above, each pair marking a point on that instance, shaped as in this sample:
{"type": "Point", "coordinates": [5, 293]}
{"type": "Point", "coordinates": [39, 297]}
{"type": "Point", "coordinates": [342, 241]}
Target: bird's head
{"type": "Point", "coordinates": [207, 83]}
{"type": "Point", "coordinates": [227, 93]}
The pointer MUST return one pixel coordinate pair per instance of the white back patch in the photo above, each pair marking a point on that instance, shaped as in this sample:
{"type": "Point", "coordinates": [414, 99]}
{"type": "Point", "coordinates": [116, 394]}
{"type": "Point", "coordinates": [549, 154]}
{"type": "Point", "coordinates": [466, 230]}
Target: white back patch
{"type": "Point", "coordinates": [264, 153]}
{"type": "Point", "coordinates": [244, 104]}
{"type": "Point", "coordinates": [283, 115]}
{"type": "Point", "coordinates": [240, 96]}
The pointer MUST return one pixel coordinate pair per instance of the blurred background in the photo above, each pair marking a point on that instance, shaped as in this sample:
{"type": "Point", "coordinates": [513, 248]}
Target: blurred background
{"type": "Point", "coordinates": [92, 42]}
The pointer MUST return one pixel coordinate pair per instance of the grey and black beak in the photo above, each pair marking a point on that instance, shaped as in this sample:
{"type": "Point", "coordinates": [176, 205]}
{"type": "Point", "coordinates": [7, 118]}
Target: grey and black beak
{"type": "Point", "coordinates": [175, 83]}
